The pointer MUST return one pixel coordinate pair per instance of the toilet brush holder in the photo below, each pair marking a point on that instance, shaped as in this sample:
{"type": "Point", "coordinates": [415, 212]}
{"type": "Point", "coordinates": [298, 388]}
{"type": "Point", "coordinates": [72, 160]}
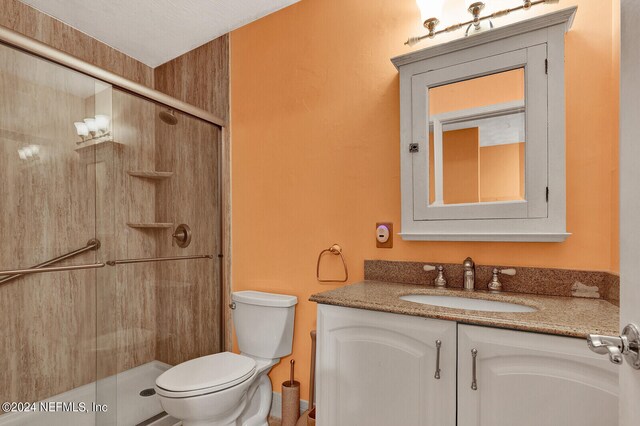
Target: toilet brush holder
{"type": "Point", "coordinates": [290, 399]}
{"type": "Point", "coordinates": [290, 402]}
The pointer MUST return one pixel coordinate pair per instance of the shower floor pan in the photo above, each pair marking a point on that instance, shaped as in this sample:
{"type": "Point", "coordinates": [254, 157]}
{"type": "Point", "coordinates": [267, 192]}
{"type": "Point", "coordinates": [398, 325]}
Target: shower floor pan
{"type": "Point", "coordinates": [131, 408]}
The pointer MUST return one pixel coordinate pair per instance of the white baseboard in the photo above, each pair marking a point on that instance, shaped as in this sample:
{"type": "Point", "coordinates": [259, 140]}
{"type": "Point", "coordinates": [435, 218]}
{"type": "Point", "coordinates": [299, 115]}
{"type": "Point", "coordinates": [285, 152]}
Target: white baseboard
{"type": "Point", "coordinates": [276, 406]}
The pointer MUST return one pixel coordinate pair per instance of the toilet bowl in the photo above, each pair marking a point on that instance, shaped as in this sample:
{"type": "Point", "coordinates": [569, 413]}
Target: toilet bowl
{"type": "Point", "coordinates": [228, 388]}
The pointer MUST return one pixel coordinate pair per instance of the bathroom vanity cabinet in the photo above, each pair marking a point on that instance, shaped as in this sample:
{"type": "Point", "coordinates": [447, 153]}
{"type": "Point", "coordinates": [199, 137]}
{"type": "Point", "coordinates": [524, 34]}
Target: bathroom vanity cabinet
{"type": "Point", "coordinates": [377, 368]}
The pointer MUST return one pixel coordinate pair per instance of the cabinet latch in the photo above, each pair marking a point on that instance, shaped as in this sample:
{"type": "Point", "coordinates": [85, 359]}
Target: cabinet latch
{"type": "Point", "coordinates": [414, 147]}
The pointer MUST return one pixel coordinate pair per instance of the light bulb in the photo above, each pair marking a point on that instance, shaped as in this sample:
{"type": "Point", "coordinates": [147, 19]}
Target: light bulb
{"type": "Point", "coordinates": [102, 122]}
{"type": "Point", "coordinates": [430, 8]}
{"type": "Point", "coordinates": [91, 124]}
{"type": "Point", "coordinates": [81, 128]}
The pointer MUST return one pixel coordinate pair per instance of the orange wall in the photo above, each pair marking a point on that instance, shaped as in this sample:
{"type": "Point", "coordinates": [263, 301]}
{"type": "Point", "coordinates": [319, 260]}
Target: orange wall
{"type": "Point", "coordinates": [460, 166]}
{"type": "Point", "coordinates": [502, 172]}
{"type": "Point", "coordinates": [315, 149]}
{"type": "Point", "coordinates": [507, 86]}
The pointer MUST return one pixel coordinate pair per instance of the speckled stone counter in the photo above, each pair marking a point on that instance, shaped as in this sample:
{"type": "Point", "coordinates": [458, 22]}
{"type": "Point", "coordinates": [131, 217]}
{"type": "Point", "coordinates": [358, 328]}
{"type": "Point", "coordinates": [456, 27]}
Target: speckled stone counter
{"type": "Point", "coordinates": [542, 281]}
{"type": "Point", "coordinates": [566, 316]}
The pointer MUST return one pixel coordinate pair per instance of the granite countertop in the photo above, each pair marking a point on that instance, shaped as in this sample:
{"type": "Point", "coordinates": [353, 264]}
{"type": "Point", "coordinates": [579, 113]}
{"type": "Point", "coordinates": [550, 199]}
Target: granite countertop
{"type": "Point", "coordinates": [565, 316]}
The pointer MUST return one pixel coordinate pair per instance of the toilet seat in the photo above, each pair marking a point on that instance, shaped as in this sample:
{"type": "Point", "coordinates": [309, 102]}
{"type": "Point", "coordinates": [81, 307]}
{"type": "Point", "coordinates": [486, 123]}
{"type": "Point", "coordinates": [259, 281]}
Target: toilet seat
{"type": "Point", "coordinates": [205, 375]}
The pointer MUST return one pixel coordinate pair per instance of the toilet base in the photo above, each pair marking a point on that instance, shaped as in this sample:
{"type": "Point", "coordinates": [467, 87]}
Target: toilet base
{"type": "Point", "coordinates": [253, 408]}
{"type": "Point", "coordinates": [257, 410]}
{"type": "Point", "coordinates": [226, 419]}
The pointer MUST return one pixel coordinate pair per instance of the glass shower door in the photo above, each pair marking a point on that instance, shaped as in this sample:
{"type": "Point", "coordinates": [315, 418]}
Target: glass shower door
{"type": "Point", "coordinates": [167, 289]}
{"type": "Point", "coordinates": [50, 117]}
{"type": "Point", "coordinates": [99, 178]}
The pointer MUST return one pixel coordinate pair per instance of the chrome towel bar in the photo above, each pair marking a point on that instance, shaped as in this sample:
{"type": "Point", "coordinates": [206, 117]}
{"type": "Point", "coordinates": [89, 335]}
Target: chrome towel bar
{"type": "Point", "coordinates": [158, 259]}
{"type": "Point", "coordinates": [92, 244]}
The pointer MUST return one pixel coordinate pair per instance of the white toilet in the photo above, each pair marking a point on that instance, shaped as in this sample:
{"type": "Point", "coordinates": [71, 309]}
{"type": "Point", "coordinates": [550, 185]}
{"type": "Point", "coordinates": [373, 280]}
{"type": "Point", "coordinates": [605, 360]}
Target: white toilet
{"type": "Point", "coordinates": [227, 388]}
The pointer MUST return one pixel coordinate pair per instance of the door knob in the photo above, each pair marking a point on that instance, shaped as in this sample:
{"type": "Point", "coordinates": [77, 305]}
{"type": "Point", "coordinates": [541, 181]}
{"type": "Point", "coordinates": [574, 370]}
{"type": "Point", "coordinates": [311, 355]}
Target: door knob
{"type": "Point", "coordinates": [627, 345]}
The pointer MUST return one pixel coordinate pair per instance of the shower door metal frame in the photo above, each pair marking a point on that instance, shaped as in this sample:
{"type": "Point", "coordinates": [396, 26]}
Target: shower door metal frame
{"type": "Point", "coordinates": [29, 45]}
{"type": "Point", "coordinates": [42, 50]}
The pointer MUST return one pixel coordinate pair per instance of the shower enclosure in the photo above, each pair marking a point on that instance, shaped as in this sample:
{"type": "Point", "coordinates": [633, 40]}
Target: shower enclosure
{"type": "Point", "coordinates": [99, 291]}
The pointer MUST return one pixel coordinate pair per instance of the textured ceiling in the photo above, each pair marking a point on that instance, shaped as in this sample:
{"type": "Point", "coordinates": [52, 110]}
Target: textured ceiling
{"type": "Point", "coordinates": [156, 31]}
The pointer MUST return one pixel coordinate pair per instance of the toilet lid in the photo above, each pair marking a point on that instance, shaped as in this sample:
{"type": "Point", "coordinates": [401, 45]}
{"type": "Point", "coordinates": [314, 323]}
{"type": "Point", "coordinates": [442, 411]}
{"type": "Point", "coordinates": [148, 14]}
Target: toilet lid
{"type": "Point", "coordinates": [209, 373]}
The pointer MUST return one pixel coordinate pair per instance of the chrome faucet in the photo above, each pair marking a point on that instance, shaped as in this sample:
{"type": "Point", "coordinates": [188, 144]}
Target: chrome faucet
{"type": "Point", "coordinates": [469, 274]}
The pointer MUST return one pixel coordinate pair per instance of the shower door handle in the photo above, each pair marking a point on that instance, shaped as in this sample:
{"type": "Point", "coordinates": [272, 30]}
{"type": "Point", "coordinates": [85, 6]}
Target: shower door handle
{"type": "Point", "coordinates": [92, 244]}
{"type": "Point", "coordinates": [157, 259]}
{"type": "Point", "coordinates": [52, 269]}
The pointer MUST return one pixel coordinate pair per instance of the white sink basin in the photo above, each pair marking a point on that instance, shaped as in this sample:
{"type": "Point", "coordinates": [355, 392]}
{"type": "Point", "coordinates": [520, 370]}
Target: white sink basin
{"type": "Point", "coordinates": [466, 303]}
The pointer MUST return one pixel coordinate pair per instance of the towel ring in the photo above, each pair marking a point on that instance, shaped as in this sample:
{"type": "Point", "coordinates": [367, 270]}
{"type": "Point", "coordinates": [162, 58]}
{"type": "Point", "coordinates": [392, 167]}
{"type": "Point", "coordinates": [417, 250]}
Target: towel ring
{"type": "Point", "coordinates": [336, 250]}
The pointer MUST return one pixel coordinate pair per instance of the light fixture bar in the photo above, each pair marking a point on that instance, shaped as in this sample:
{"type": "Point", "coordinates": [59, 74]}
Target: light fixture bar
{"type": "Point", "coordinates": [431, 23]}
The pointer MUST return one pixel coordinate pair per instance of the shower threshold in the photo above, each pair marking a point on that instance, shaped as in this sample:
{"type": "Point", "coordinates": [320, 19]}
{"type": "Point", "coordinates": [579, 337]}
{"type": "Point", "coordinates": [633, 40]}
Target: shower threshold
{"type": "Point", "coordinates": [121, 394]}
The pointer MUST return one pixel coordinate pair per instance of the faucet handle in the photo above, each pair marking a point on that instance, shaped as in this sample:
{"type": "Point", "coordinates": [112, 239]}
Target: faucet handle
{"type": "Point", "coordinates": [495, 285]}
{"type": "Point", "coordinates": [440, 281]}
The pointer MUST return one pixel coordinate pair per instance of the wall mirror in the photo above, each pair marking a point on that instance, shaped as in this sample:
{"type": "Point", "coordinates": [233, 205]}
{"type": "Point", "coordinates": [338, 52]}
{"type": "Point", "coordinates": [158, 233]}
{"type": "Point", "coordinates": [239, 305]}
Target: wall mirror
{"type": "Point", "coordinates": [482, 129]}
{"type": "Point", "coordinates": [477, 140]}
{"type": "Point", "coordinates": [482, 135]}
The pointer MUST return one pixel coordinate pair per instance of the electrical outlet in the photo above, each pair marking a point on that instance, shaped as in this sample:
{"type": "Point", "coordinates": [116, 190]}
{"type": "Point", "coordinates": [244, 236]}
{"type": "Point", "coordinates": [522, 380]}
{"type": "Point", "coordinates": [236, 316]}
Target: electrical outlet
{"type": "Point", "coordinates": [384, 235]}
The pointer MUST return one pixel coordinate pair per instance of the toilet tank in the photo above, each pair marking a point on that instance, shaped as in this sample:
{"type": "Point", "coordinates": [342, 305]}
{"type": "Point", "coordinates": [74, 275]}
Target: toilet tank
{"type": "Point", "coordinates": [264, 323]}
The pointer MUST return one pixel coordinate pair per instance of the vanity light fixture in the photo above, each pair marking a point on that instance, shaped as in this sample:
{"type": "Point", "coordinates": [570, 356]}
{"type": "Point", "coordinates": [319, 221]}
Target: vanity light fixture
{"type": "Point", "coordinates": [102, 123]}
{"type": "Point", "coordinates": [29, 152]}
{"type": "Point", "coordinates": [91, 125]}
{"type": "Point", "coordinates": [97, 127]}
{"type": "Point", "coordinates": [428, 8]}
{"type": "Point", "coordinates": [475, 9]}
{"type": "Point", "coordinates": [81, 129]}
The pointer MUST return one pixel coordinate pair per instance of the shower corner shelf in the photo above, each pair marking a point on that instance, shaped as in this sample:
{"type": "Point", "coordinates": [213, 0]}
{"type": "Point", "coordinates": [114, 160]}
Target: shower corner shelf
{"type": "Point", "coordinates": [150, 225]}
{"type": "Point", "coordinates": [149, 174]}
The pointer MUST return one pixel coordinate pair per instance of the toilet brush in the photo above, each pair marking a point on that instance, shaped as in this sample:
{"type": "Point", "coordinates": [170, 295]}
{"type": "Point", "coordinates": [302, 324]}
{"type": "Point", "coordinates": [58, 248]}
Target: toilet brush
{"type": "Point", "coordinates": [290, 400]}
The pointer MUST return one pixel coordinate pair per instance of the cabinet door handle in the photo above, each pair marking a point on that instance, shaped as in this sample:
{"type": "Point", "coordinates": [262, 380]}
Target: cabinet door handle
{"type": "Point", "coordinates": [438, 345]}
{"type": "Point", "coordinates": [474, 381]}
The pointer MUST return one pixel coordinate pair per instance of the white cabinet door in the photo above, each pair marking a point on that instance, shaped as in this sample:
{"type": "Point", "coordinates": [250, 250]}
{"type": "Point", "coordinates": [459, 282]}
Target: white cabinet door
{"type": "Point", "coordinates": [376, 368]}
{"type": "Point", "coordinates": [530, 379]}
{"type": "Point", "coordinates": [629, 200]}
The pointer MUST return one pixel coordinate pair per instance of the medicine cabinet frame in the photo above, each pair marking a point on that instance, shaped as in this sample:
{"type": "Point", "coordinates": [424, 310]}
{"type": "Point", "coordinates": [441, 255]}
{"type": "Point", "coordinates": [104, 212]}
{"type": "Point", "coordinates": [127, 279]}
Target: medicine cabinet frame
{"type": "Point", "coordinates": [535, 44]}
